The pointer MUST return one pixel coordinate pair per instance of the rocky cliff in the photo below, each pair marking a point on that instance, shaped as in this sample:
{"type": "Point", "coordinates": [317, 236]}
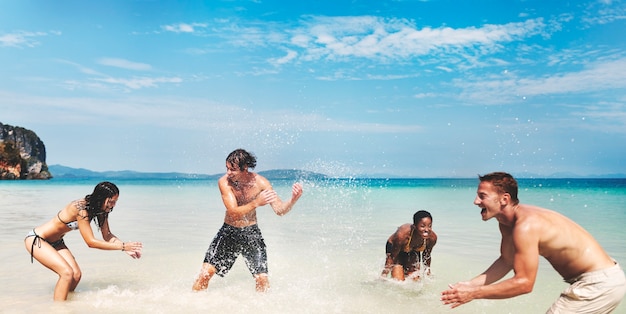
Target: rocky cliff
{"type": "Point", "coordinates": [22, 154]}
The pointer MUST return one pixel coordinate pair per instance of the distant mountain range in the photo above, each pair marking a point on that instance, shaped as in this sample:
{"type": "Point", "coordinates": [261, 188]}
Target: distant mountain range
{"type": "Point", "coordinates": [59, 171]}
{"type": "Point", "coordinates": [569, 175]}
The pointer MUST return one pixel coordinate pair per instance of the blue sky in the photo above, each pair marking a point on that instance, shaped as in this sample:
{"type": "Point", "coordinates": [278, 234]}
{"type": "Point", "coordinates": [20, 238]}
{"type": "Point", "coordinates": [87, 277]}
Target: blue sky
{"type": "Point", "coordinates": [347, 88]}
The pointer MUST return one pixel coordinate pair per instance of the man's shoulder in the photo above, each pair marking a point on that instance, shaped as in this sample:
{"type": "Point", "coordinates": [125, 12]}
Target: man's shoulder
{"type": "Point", "coordinates": [223, 179]}
{"type": "Point", "coordinates": [535, 214]}
{"type": "Point", "coordinates": [260, 180]}
{"type": "Point", "coordinates": [530, 219]}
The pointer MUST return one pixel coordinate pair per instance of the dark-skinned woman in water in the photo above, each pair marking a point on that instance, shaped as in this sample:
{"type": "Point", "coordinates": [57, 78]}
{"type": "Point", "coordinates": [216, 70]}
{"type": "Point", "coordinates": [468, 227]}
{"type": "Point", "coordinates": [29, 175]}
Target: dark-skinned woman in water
{"type": "Point", "coordinates": [409, 247]}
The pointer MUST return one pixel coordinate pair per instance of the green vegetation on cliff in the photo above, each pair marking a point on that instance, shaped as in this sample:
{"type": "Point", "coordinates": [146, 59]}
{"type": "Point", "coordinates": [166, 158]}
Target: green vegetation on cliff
{"type": "Point", "coordinates": [22, 154]}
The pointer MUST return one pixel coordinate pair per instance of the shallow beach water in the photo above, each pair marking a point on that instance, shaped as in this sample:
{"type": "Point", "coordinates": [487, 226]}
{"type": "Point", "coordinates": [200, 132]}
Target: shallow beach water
{"type": "Point", "coordinates": [324, 257]}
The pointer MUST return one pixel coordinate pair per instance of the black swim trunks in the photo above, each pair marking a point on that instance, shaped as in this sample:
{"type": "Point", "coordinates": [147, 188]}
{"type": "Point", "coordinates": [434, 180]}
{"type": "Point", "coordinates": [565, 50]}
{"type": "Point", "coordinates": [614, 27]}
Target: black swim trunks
{"type": "Point", "coordinates": [408, 260]}
{"type": "Point", "coordinates": [230, 241]}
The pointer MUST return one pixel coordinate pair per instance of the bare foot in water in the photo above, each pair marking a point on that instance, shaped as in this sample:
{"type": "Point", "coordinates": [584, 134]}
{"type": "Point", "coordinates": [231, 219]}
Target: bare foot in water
{"type": "Point", "coordinates": [201, 283]}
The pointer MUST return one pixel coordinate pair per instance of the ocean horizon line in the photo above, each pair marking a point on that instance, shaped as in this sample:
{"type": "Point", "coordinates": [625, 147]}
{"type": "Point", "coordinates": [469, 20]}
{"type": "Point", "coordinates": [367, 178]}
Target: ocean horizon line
{"type": "Point", "coordinates": [66, 172]}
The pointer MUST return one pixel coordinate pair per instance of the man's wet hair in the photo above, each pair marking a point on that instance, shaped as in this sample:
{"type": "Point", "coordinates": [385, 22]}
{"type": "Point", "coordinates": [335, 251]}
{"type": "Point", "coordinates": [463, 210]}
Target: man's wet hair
{"type": "Point", "coordinates": [241, 159]}
{"type": "Point", "coordinates": [504, 183]}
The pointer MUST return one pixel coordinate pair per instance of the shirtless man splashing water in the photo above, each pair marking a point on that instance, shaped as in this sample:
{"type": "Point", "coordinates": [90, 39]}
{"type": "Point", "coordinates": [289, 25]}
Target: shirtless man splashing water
{"type": "Point", "coordinates": [242, 192]}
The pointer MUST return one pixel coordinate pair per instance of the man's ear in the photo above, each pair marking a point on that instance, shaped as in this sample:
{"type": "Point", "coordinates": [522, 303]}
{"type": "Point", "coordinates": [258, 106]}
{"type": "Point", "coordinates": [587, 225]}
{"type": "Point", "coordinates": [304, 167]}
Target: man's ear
{"type": "Point", "coordinates": [505, 199]}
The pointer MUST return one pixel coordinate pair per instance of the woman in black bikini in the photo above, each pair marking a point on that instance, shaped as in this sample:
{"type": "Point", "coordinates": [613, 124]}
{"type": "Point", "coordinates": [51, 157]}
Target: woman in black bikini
{"type": "Point", "coordinates": [45, 243]}
{"type": "Point", "coordinates": [409, 247]}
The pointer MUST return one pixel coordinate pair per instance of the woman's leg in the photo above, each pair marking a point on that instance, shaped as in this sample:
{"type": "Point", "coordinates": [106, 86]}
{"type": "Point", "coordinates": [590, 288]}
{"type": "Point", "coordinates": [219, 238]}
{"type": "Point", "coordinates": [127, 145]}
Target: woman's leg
{"type": "Point", "coordinates": [397, 272]}
{"type": "Point", "coordinates": [69, 258]}
{"type": "Point", "coordinates": [48, 256]}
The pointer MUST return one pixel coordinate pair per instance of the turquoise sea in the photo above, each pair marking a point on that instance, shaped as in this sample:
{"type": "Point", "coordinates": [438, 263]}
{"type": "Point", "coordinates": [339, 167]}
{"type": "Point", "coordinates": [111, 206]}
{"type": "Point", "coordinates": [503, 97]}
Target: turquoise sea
{"type": "Point", "coordinates": [324, 257]}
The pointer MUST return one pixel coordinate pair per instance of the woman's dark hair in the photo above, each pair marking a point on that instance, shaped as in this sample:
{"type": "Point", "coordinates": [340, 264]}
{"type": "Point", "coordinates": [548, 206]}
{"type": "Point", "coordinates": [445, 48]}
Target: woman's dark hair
{"type": "Point", "coordinates": [95, 201]}
{"type": "Point", "coordinates": [419, 215]}
{"type": "Point", "coordinates": [504, 183]}
{"type": "Point", "coordinates": [241, 158]}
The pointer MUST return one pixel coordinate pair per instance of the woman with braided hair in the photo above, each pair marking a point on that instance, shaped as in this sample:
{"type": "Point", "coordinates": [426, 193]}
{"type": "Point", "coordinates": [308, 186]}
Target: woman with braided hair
{"type": "Point", "coordinates": [409, 247]}
{"type": "Point", "coordinates": [45, 242]}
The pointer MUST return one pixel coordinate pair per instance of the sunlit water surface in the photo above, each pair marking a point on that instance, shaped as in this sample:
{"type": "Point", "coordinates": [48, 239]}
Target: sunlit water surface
{"type": "Point", "coordinates": [324, 257]}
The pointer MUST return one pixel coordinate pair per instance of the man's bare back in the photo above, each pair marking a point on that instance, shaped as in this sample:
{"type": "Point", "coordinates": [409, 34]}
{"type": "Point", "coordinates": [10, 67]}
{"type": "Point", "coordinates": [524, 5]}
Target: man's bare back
{"type": "Point", "coordinates": [569, 248]}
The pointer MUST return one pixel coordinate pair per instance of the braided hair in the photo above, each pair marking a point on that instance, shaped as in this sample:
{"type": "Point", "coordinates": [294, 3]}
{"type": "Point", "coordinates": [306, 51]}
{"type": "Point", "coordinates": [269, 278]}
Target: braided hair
{"type": "Point", "coordinates": [419, 215]}
{"type": "Point", "coordinates": [95, 201]}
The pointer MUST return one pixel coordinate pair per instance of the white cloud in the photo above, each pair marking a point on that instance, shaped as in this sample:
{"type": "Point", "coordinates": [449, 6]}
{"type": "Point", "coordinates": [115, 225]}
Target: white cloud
{"type": "Point", "coordinates": [609, 117]}
{"type": "Point", "coordinates": [425, 95]}
{"type": "Point", "coordinates": [602, 76]}
{"type": "Point", "coordinates": [598, 77]}
{"type": "Point", "coordinates": [125, 64]}
{"type": "Point", "coordinates": [183, 27]}
{"type": "Point", "coordinates": [100, 81]}
{"type": "Point", "coordinates": [378, 38]}
{"type": "Point", "coordinates": [81, 68]}
{"type": "Point", "coordinates": [287, 58]}
{"type": "Point", "coordinates": [139, 82]}
{"type": "Point", "coordinates": [23, 39]}
{"type": "Point", "coordinates": [604, 12]}
{"type": "Point", "coordinates": [187, 113]}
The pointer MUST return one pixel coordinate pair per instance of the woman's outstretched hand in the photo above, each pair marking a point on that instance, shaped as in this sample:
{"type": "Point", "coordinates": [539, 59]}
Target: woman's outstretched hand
{"type": "Point", "coordinates": [133, 249]}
